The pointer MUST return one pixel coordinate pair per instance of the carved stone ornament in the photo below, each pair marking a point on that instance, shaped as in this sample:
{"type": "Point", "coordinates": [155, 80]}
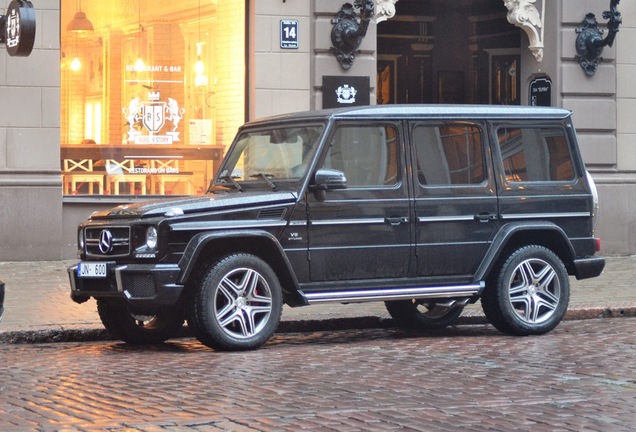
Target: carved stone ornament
{"type": "Point", "coordinates": [384, 10]}
{"type": "Point", "coordinates": [525, 15]}
{"type": "Point", "coordinates": [348, 32]}
{"type": "Point", "coordinates": [590, 42]}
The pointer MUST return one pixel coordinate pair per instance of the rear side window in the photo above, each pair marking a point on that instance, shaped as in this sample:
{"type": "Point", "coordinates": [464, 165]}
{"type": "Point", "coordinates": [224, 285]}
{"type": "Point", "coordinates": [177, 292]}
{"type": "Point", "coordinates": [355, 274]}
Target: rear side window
{"type": "Point", "coordinates": [535, 154]}
{"type": "Point", "coordinates": [448, 155]}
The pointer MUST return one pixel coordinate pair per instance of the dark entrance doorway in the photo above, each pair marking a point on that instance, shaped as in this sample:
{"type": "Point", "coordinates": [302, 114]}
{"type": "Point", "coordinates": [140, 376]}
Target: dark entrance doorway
{"type": "Point", "coordinates": [448, 51]}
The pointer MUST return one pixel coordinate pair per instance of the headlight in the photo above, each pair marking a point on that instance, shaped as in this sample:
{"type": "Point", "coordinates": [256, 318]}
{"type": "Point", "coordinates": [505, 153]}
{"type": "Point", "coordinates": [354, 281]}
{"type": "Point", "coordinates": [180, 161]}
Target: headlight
{"type": "Point", "coordinates": [151, 237]}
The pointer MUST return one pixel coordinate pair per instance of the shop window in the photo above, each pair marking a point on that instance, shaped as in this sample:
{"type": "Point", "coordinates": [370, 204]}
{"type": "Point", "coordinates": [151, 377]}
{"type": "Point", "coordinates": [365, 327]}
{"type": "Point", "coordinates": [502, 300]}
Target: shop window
{"type": "Point", "coordinates": [154, 87]}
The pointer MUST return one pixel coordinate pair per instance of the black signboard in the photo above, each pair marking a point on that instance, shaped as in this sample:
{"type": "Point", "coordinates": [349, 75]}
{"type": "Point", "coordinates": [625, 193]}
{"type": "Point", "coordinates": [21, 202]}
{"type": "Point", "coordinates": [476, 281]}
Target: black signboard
{"type": "Point", "coordinates": [345, 91]}
{"type": "Point", "coordinates": [17, 28]}
{"type": "Point", "coordinates": [541, 92]}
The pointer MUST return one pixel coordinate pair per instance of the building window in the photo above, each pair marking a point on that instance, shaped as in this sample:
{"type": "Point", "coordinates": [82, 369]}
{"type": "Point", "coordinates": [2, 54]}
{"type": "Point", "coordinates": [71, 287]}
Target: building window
{"type": "Point", "coordinates": [151, 93]}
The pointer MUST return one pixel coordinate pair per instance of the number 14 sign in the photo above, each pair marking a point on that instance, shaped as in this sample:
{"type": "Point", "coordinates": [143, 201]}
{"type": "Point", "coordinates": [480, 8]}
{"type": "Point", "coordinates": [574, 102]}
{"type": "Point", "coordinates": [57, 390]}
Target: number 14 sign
{"type": "Point", "coordinates": [289, 34]}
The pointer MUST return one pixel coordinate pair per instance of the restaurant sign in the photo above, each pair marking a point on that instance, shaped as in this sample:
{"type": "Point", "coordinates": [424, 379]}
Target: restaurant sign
{"type": "Point", "coordinates": [17, 28]}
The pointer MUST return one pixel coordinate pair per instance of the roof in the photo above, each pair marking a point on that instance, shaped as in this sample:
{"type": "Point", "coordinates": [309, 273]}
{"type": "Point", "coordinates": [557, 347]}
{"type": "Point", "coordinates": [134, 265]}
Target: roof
{"type": "Point", "coordinates": [425, 111]}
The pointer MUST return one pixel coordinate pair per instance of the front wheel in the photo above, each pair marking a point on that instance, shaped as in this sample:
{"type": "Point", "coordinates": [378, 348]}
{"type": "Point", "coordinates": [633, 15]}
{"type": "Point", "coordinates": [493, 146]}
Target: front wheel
{"type": "Point", "coordinates": [529, 294]}
{"type": "Point", "coordinates": [135, 328]}
{"type": "Point", "coordinates": [237, 305]}
{"type": "Point", "coordinates": [418, 315]}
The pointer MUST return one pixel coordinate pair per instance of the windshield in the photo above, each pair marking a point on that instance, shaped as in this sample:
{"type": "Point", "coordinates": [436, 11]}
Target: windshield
{"type": "Point", "coordinates": [269, 156]}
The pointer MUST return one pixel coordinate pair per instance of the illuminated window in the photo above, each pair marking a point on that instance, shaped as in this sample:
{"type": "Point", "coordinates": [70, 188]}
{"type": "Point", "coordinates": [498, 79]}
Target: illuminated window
{"type": "Point", "coordinates": [153, 88]}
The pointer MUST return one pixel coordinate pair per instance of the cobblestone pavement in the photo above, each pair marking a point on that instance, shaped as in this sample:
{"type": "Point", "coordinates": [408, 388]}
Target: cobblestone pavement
{"type": "Point", "coordinates": [580, 377]}
{"type": "Point", "coordinates": [37, 298]}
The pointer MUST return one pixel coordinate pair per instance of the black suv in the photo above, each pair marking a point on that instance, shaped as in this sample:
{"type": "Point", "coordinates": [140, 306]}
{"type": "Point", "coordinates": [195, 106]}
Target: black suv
{"type": "Point", "coordinates": [427, 208]}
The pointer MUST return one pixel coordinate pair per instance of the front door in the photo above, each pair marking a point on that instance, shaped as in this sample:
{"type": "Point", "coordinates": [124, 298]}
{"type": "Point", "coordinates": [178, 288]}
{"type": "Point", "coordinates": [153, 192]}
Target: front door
{"type": "Point", "coordinates": [364, 231]}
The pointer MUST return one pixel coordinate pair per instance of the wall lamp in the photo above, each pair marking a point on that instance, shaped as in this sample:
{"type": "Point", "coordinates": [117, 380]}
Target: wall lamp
{"type": "Point", "coordinates": [590, 42]}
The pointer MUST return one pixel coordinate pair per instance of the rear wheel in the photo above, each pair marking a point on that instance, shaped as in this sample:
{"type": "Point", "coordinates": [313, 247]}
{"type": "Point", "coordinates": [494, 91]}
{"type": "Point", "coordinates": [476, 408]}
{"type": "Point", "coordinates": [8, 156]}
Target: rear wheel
{"type": "Point", "coordinates": [135, 328]}
{"type": "Point", "coordinates": [416, 314]}
{"type": "Point", "coordinates": [237, 305]}
{"type": "Point", "coordinates": [529, 294]}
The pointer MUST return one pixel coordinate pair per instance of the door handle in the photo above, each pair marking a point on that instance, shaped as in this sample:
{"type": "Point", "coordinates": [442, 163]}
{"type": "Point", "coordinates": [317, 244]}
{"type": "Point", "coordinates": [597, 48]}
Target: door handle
{"type": "Point", "coordinates": [395, 221]}
{"type": "Point", "coordinates": [486, 217]}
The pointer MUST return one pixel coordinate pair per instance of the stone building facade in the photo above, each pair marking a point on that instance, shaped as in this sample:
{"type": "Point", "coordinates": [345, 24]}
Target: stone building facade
{"type": "Point", "coordinates": [430, 51]}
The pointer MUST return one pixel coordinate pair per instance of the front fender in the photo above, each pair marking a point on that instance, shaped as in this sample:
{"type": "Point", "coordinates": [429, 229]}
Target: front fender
{"type": "Point", "coordinates": [229, 242]}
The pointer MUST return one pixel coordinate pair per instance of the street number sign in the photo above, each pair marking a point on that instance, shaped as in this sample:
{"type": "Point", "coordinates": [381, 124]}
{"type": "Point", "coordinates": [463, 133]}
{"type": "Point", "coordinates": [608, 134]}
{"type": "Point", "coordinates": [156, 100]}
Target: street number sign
{"type": "Point", "coordinates": [289, 34]}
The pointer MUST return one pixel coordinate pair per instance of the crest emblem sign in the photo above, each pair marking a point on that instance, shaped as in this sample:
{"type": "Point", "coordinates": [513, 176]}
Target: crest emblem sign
{"type": "Point", "coordinates": [153, 111]}
{"type": "Point", "coordinates": [152, 115]}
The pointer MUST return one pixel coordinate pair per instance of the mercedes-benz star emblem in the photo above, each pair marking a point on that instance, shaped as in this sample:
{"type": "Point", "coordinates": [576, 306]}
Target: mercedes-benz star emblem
{"type": "Point", "coordinates": [105, 241]}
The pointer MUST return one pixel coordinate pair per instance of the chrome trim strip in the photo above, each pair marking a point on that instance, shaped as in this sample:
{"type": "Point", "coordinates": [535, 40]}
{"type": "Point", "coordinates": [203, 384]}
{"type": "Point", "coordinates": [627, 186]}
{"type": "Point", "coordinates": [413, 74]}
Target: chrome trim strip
{"type": "Point", "coordinates": [445, 218]}
{"type": "Point", "coordinates": [72, 271]}
{"type": "Point", "coordinates": [205, 225]}
{"type": "Point", "coordinates": [298, 223]}
{"type": "Point", "coordinates": [369, 221]}
{"type": "Point", "coordinates": [120, 285]}
{"type": "Point", "coordinates": [545, 215]}
{"type": "Point", "coordinates": [394, 294]}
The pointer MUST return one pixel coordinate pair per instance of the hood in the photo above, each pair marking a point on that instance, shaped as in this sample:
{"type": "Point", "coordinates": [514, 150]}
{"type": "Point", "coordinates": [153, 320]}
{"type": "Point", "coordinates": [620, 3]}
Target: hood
{"type": "Point", "coordinates": [178, 206]}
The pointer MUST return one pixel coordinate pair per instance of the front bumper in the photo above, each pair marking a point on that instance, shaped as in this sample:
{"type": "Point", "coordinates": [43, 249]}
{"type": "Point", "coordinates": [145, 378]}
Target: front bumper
{"type": "Point", "coordinates": [146, 287]}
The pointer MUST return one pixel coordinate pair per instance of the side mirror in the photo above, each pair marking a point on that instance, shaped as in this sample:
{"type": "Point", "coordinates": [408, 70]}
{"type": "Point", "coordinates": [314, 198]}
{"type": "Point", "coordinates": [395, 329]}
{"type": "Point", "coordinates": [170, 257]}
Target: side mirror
{"type": "Point", "coordinates": [329, 179]}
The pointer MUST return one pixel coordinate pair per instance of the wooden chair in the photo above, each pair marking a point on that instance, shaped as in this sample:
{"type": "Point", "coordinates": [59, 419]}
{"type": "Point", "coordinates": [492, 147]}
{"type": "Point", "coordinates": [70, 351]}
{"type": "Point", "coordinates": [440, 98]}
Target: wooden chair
{"type": "Point", "coordinates": [168, 172]}
{"type": "Point", "coordinates": [78, 172]}
{"type": "Point", "coordinates": [124, 172]}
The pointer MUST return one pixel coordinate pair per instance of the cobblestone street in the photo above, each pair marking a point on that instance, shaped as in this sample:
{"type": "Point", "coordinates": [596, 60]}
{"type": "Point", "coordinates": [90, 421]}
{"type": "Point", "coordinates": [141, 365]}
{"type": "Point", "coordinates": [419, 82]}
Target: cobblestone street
{"type": "Point", "coordinates": [580, 377]}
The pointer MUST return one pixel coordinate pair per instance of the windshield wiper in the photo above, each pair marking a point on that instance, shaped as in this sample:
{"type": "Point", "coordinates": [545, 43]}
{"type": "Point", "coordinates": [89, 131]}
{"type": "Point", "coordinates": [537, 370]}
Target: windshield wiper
{"type": "Point", "coordinates": [232, 182]}
{"type": "Point", "coordinates": [267, 178]}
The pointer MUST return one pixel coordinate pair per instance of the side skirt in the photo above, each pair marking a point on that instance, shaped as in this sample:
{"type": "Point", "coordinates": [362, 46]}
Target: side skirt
{"type": "Point", "coordinates": [386, 294]}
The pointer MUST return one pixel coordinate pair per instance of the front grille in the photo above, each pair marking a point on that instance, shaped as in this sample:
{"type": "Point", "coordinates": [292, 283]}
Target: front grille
{"type": "Point", "coordinates": [110, 241]}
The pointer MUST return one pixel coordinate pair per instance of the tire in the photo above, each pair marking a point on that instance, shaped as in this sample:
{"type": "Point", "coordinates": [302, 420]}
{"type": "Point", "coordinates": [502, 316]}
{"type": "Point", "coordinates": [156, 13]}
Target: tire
{"type": "Point", "coordinates": [138, 329]}
{"type": "Point", "coordinates": [237, 305]}
{"type": "Point", "coordinates": [530, 293]}
{"type": "Point", "coordinates": [418, 315]}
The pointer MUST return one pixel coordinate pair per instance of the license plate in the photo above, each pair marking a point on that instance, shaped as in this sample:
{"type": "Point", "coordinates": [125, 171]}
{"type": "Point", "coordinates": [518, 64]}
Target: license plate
{"type": "Point", "coordinates": [91, 270]}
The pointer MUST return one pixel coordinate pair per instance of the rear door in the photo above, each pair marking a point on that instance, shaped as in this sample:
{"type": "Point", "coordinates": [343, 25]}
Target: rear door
{"type": "Point", "coordinates": [455, 198]}
{"type": "Point", "coordinates": [540, 179]}
{"type": "Point", "coordinates": [364, 231]}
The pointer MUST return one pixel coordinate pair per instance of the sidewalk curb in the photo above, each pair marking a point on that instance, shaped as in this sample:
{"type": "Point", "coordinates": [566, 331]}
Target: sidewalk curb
{"type": "Point", "coordinates": [300, 326]}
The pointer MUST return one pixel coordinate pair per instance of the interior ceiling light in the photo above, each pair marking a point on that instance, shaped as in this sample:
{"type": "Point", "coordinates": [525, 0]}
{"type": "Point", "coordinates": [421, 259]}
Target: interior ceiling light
{"type": "Point", "coordinates": [79, 23]}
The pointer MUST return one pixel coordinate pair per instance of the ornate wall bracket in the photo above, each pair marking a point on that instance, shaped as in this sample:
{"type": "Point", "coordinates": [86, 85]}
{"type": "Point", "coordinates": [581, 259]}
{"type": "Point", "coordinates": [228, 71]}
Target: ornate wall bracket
{"type": "Point", "coordinates": [384, 10]}
{"type": "Point", "coordinates": [590, 42]}
{"type": "Point", "coordinates": [525, 15]}
{"type": "Point", "coordinates": [348, 32]}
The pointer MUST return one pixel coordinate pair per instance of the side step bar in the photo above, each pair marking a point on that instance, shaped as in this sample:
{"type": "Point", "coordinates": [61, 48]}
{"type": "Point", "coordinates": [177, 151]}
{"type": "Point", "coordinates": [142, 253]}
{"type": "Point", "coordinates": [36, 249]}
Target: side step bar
{"type": "Point", "coordinates": [370, 295]}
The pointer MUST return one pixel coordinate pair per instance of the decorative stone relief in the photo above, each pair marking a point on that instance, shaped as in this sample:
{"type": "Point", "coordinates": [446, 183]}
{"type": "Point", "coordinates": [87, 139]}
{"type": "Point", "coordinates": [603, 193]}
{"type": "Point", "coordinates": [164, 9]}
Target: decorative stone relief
{"type": "Point", "coordinates": [525, 15]}
{"type": "Point", "coordinates": [384, 9]}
